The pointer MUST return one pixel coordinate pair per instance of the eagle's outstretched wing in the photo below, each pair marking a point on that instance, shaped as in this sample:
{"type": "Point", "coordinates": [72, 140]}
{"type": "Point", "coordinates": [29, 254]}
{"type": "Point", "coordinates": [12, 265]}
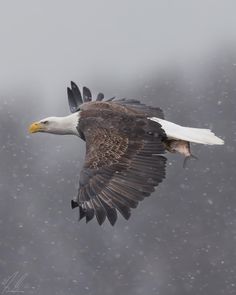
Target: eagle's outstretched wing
{"type": "Point", "coordinates": [122, 165]}
{"type": "Point", "coordinates": [75, 99]}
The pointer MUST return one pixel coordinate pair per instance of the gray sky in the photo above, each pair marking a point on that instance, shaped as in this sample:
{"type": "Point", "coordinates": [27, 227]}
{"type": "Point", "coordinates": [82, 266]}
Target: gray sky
{"type": "Point", "coordinates": [44, 44]}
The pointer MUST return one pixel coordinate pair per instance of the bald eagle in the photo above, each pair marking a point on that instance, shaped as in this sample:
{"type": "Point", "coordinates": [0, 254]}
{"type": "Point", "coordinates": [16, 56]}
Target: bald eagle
{"type": "Point", "coordinates": [125, 143]}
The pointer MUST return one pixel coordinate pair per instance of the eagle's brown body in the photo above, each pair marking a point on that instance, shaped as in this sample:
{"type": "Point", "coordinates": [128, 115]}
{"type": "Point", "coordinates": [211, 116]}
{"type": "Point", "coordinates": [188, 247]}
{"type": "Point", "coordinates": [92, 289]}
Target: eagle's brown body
{"type": "Point", "coordinates": [123, 160]}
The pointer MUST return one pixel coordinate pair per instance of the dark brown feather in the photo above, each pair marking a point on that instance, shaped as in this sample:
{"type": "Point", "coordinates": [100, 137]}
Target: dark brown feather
{"type": "Point", "coordinates": [123, 163]}
{"type": "Point", "coordinates": [87, 96]}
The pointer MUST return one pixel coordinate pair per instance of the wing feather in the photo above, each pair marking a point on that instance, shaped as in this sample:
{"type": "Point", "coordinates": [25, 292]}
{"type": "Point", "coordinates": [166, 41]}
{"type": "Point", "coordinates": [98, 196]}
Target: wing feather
{"type": "Point", "coordinates": [122, 165]}
{"type": "Point", "coordinates": [100, 96]}
{"type": "Point", "coordinates": [87, 96]}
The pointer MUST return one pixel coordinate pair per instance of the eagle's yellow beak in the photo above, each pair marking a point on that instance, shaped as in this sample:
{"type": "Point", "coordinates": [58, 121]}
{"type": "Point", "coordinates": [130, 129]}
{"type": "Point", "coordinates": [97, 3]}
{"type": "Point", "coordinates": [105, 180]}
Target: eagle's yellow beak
{"type": "Point", "coordinates": [35, 127]}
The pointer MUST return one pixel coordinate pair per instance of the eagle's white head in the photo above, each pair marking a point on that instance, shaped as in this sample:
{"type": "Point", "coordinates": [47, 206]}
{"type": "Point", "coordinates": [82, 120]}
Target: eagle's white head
{"type": "Point", "coordinates": [57, 125]}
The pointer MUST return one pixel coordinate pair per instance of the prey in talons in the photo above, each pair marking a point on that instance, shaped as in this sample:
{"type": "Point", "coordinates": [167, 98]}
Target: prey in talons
{"type": "Point", "coordinates": [180, 146]}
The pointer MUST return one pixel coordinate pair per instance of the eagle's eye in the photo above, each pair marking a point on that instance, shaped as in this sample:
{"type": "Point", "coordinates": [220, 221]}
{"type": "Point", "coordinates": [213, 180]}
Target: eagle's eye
{"type": "Point", "coordinates": [44, 122]}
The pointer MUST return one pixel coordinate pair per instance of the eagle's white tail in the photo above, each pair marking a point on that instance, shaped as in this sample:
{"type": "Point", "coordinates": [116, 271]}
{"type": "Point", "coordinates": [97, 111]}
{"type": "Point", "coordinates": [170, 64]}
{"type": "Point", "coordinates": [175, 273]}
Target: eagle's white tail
{"type": "Point", "coordinates": [198, 135]}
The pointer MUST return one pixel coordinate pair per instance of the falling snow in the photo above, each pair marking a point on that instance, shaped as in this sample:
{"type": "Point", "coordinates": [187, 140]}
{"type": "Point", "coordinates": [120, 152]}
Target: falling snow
{"type": "Point", "coordinates": [182, 239]}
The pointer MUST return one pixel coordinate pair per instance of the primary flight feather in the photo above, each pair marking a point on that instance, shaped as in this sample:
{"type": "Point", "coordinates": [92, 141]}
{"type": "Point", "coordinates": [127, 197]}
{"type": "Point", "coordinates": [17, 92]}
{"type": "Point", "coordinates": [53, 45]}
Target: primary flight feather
{"type": "Point", "coordinates": [125, 143]}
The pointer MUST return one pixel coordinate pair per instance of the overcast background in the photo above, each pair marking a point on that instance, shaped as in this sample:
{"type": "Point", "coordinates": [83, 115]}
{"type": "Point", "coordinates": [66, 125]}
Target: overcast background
{"type": "Point", "coordinates": [179, 55]}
